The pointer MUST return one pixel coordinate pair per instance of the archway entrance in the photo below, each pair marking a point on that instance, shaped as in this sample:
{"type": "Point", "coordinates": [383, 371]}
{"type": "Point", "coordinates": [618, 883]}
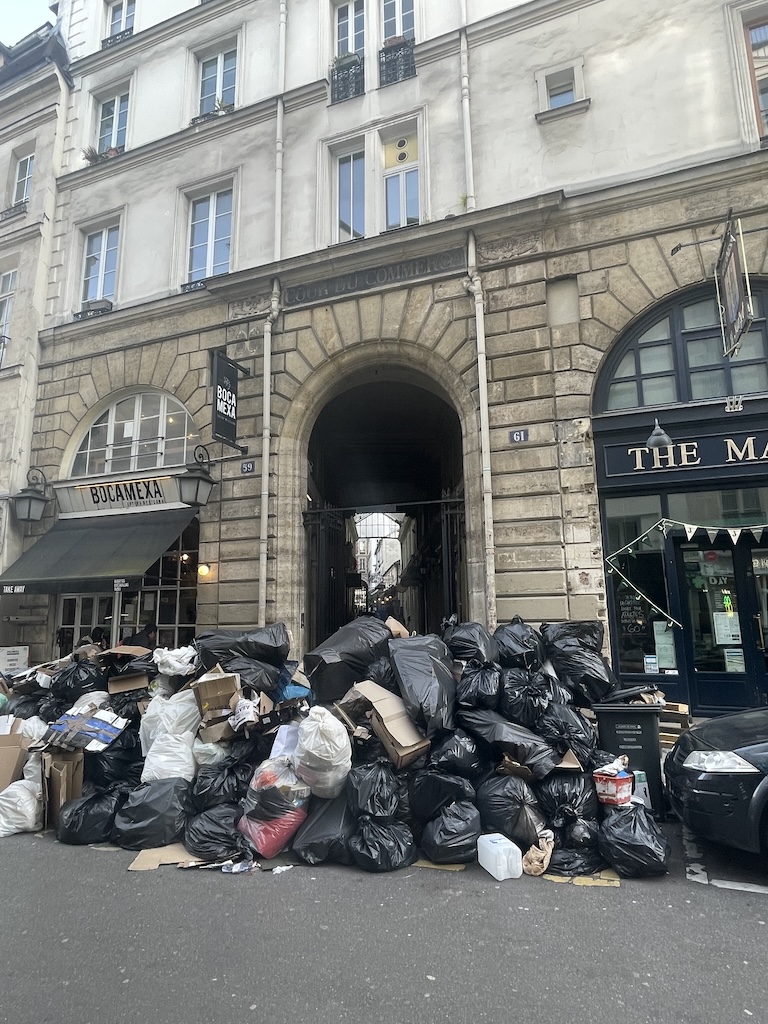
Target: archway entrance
{"type": "Point", "coordinates": [393, 450]}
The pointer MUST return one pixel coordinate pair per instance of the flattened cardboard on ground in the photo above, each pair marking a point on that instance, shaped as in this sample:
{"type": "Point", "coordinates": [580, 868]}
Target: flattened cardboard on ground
{"type": "Point", "coordinates": [13, 751]}
{"type": "Point", "coordinates": [403, 742]}
{"type": "Point", "coordinates": [150, 860]}
{"type": "Point", "coordinates": [214, 690]}
{"type": "Point", "coordinates": [62, 779]}
{"type": "Point", "coordinates": [123, 684]}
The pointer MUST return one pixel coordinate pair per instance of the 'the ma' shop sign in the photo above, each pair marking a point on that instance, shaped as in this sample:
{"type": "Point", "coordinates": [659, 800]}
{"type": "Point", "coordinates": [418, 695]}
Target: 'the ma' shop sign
{"type": "Point", "coordinates": [224, 420]}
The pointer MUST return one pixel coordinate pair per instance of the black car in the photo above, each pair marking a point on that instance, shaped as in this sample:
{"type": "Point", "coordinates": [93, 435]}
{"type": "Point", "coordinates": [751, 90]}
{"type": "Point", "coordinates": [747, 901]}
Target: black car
{"type": "Point", "coordinates": [717, 779]}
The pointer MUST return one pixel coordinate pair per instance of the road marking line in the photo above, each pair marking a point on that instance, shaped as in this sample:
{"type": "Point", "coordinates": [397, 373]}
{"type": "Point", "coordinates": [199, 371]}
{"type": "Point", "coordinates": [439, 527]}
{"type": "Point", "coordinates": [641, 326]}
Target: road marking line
{"type": "Point", "coordinates": [744, 886]}
{"type": "Point", "coordinates": [694, 858]}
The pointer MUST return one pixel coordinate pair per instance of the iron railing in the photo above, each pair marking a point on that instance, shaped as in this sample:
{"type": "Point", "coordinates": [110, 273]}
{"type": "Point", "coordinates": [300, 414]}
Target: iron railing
{"type": "Point", "coordinates": [347, 80]}
{"type": "Point", "coordinates": [396, 63]}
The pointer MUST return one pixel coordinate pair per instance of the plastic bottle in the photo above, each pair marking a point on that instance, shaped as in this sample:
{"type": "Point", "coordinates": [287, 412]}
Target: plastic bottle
{"type": "Point", "coordinates": [499, 856]}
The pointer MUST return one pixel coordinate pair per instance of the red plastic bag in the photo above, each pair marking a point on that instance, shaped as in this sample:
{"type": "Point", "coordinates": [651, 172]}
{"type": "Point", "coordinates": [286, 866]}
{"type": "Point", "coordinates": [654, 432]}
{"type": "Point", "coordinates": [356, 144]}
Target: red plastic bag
{"type": "Point", "coordinates": [270, 837]}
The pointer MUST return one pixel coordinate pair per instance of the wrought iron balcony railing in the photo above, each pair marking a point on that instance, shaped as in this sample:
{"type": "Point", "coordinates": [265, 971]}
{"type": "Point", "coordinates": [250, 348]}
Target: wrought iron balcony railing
{"type": "Point", "coordinates": [396, 63]}
{"type": "Point", "coordinates": [347, 79]}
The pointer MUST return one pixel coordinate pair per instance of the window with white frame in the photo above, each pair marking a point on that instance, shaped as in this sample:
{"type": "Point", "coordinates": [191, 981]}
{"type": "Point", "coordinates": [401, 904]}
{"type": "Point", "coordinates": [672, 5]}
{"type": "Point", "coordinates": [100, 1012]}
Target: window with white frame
{"type": "Point", "coordinates": [757, 50]}
{"type": "Point", "coordinates": [113, 122]}
{"type": "Point", "coordinates": [350, 28]}
{"type": "Point", "coordinates": [398, 19]}
{"type": "Point", "coordinates": [7, 288]}
{"type": "Point", "coordinates": [218, 76]}
{"type": "Point", "coordinates": [561, 90]}
{"type": "Point", "coordinates": [143, 431]}
{"type": "Point", "coordinates": [350, 195]}
{"type": "Point", "coordinates": [23, 187]}
{"type": "Point", "coordinates": [210, 235]}
{"type": "Point", "coordinates": [100, 264]}
{"type": "Point", "coordinates": [401, 181]}
{"type": "Point", "coordinates": [120, 16]}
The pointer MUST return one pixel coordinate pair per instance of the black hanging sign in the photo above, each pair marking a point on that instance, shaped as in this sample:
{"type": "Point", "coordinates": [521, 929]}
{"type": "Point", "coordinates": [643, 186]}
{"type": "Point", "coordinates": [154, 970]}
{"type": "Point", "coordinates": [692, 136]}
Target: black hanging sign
{"type": "Point", "coordinates": [733, 298]}
{"type": "Point", "coordinates": [224, 420]}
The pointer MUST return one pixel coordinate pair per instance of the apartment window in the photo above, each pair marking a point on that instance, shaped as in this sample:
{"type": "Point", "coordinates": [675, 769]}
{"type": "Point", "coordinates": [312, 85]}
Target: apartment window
{"type": "Point", "coordinates": [113, 121]}
{"type": "Point", "coordinates": [399, 19]}
{"type": "Point", "coordinates": [757, 45]}
{"type": "Point", "coordinates": [210, 235]}
{"type": "Point", "coordinates": [561, 91]}
{"type": "Point", "coordinates": [350, 28]}
{"type": "Point", "coordinates": [120, 17]}
{"type": "Point", "coordinates": [401, 181]}
{"type": "Point", "coordinates": [7, 288]}
{"type": "Point", "coordinates": [23, 186]}
{"type": "Point", "coordinates": [217, 81]}
{"type": "Point", "coordinates": [144, 431]}
{"type": "Point", "coordinates": [351, 196]}
{"type": "Point", "coordinates": [100, 264]}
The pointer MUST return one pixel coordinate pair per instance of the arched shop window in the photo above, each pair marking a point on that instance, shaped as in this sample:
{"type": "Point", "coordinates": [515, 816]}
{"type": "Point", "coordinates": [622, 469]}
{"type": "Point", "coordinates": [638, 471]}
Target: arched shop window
{"type": "Point", "coordinates": [675, 356]}
{"type": "Point", "coordinates": [142, 431]}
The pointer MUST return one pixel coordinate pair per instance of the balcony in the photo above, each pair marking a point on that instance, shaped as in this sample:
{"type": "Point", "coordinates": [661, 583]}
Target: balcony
{"type": "Point", "coordinates": [15, 211]}
{"type": "Point", "coordinates": [396, 61]}
{"type": "Point", "coordinates": [347, 78]}
{"type": "Point", "coordinates": [116, 39]}
{"type": "Point", "coordinates": [193, 286]}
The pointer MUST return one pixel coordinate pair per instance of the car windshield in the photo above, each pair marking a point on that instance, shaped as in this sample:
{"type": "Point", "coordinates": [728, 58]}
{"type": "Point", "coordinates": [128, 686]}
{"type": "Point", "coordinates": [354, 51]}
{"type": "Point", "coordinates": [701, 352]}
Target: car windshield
{"type": "Point", "coordinates": [735, 731]}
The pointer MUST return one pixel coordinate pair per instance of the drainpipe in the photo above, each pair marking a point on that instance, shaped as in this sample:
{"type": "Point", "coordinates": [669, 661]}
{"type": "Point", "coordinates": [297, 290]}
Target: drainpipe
{"type": "Point", "coordinates": [266, 438]}
{"type": "Point", "coordinates": [469, 164]}
{"type": "Point", "coordinates": [279, 131]}
{"type": "Point", "coordinates": [475, 286]}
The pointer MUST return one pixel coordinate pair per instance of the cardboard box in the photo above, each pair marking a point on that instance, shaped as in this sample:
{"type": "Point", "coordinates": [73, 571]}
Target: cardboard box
{"type": "Point", "coordinates": [62, 778]}
{"type": "Point", "coordinates": [13, 751]}
{"type": "Point", "coordinates": [261, 705]}
{"type": "Point", "coordinates": [123, 684]}
{"type": "Point", "coordinates": [215, 726]}
{"type": "Point", "coordinates": [359, 735]}
{"type": "Point", "coordinates": [403, 742]}
{"type": "Point", "coordinates": [122, 654]}
{"type": "Point", "coordinates": [283, 713]}
{"type": "Point", "coordinates": [215, 689]}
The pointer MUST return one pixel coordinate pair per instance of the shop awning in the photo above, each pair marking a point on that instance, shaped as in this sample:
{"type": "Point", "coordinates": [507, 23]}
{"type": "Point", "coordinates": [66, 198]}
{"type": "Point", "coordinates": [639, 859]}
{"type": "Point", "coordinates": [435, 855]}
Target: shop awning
{"type": "Point", "coordinates": [86, 555]}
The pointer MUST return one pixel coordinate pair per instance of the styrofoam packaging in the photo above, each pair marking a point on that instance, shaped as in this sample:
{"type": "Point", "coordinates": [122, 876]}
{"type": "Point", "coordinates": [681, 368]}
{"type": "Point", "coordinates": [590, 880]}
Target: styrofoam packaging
{"type": "Point", "coordinates": [499, 856]}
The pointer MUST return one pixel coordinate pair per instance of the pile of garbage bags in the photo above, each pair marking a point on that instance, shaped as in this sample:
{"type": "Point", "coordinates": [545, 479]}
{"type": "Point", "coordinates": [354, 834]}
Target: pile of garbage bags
{"type": "Point", "coordinates": [504, 747]}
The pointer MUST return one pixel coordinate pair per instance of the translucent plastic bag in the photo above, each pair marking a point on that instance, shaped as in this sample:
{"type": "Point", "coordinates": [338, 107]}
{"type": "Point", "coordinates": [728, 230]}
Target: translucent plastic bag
{"type": "Point", "coordinates": [180, 662]}
{"type": "Point", "coordinates": [209, 753]}
{"type": "Point", "coordinates": [170, 757]}
{"type": "Point", "coordinates": [174, 716]}
{"type": "Point", "coordinates": [323, 754]}
{"type": "Point", "coordinates": [274, 790]}
{"type": "Point", "coordinates": [21, 808]}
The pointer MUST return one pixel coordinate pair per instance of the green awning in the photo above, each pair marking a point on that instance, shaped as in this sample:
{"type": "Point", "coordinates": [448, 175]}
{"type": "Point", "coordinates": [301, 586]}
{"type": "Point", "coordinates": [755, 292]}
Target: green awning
{"type": "Point", "coordinates": [86, 555]}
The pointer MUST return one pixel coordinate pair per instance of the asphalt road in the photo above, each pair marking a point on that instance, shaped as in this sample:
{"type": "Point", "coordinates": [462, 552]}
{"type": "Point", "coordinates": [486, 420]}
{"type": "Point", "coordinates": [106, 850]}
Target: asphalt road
{"type": "Point", "coordinates": [85, 941]}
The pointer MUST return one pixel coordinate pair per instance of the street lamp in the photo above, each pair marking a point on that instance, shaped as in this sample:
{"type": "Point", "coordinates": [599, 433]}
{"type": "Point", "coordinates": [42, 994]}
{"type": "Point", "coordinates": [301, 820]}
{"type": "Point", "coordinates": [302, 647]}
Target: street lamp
{"type": "Point", "coordinates": [195, 483]}
{"type": "Point", "coordinates": [659, 437]}
{"type": "Point", "coordinates": [29, 504]}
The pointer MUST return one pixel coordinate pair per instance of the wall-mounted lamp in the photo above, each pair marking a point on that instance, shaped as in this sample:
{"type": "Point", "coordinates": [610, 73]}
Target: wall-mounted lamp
{"type": "Point", "coordinates": [196, 483]}
{"type": "Point", "coordinates": [29, 504]}
{"type": "Point", "coordinates": [203, 569]}
{"type": "Point", "coordinates": [659, 437]}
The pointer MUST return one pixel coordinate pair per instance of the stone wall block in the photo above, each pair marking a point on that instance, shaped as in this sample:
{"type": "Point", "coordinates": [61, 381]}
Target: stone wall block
{"type": "Point", "coordinates": [545, 582]}
{"type": "Point", "coordinates": [416, 312]}
{"type": "Point", "coordinates": [522, 273]}
{"type": "Point", "coordinates": [519, 341]}
{"type": "Point", "coordinates": [531, 558]}
{"type": "Point", "coordinates": [529, 387]}
{"type": "Point", "coordinates": [573, 406]}
{"type": "Point", "coordinates": [650, 264]}
{"type": "Point", "coordinates": [517, 296]}
{"type": "Point", "coordinates": [629, 289]}
{"type": "Point", "coordinates": [567, 264]}
{"type": "Point", "coordinates": [439, 319]}
{"type": "Point", "coordinates": [297, 367]}
{"type": "Point", "coordinates": [574, 382]}
{"type": "Point", "coordinates": [310, 348]}
{"type": "Point", "coordinates": [685, 266]}
{"type": "Point", "coordinates": [594, 282]}
{"type": "Point", "coordinates": [348, 322]}
{"type": "Point", "coordinates": [608, 256]}
{"type": "Point", "coordinates": [392, 309]}
{"type": "Point", "coordinates": [523, 364]}
{"type": "Point", "coordinates": [454, 337]}
{"type": "Point", "coordinates": [534, 610]}
{"type": "Point", "coordinates": [526, 317]}
{"type": "Point", "coordinates": [519, 460]}
{"type": "Point", "coordinates": [609, 310]}
{"type": "Point", "coordinates": [326, 329]}
{"type": "Point", "coordinates": [525, 483]}
{"type": "Point", "coordinates": [370, 317]}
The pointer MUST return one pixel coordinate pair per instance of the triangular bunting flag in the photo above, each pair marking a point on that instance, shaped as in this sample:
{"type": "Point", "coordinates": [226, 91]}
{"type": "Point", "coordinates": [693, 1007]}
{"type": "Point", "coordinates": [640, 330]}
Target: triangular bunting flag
{"type": "Point", "coordinates": [712, 534]}
{"type": "Point", "coordinates": [689, 531]}
{"type": "Point", "coordinates": [734, 533]}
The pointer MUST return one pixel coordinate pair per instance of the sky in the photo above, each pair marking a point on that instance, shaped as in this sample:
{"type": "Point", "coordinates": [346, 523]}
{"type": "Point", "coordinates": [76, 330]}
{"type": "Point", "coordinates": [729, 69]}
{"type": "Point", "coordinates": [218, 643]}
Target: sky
{"type": "Point", "coordinates": [20, 17]}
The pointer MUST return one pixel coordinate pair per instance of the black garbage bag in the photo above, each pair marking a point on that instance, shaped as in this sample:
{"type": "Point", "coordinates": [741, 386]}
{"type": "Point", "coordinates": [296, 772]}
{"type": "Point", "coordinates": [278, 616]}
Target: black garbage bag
{"type": "Point", "coordinates": [471, 641]}
{"type": "Point", "coordinates": [269, 644]}
{"type": "Point", "coordinates": [121, 761]}
{"type": "Point", "coordinates": [52, 708]}
{"type": "Point", "coordinates": [521, 744]}
{"type": "Point", "coordinates": [459, 754]}
{"type": "Point", "coordinates": [479, 687]}
{"type": "Point", "coordinates": [520, 646]}
{"type": "Point", "coordinates": [566, 729]}
{"type": "Point", "coordinates": [632, 842]}
{"type": "Point", "coordinates": [424, 671]}
{"type": "Point", "coordinates": [382, 847]}
{"type": "Point", "coordinates": [345, 657]}
{"type": "Point", "coordinates": [258, 674]}
{"type": "Point", "coordinates": [126, 704]}
{"type": "Point", "coordinates": [25, 705]}
{"type": "Point", "coordinates": [372, 790]}
{"type": "Point", "coordinates": [324, 836]}
{"type": "Point", "coordinates": [585, 672]}
{"type": "Point", "coordinates": [560, 694]}
{"type": "Point", "coordinates": [225, 782]}
{"type": "Point", "coordinates": [76, 679]}
{"type": "Point", "coordinates": [581, 834]}
{"type": "Point", "coordinates": [566, 796]}
{"type": "Point", "coordinates": [143, 665]}
{"type": "Point", "coordinates": [154, 814]}
{"type": "Point", "coordinates": [90, 819]}
{"type": "Point", "coordinates": [589, 634]}
{"type": "Point", "coordinates": [571, 862]}
{"type": "Point", "coordinates": [600, 758]}
{"type": "Point", "coordinates": [524, 696]}
{"type": "Point", "coordinates": [452, 837]}
{"type": "Point", "coordinates": [430, 791]}
{"type": "Point", "coordinates": [381, 672]}
{"type": "Point", "coordinates": [508, 804]}
{"type": "Point", "coordinates": [213, 835]}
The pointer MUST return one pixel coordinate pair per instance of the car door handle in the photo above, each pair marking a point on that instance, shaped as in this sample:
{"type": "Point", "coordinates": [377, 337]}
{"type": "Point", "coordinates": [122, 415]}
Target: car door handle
{"type": "Point", "coordinates": [759, 622]}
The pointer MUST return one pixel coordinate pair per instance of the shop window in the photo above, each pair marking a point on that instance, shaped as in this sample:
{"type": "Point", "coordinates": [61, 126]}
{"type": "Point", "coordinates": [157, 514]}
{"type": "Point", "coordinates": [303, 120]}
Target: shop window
{"type": "Point", "coordinates": [140, 432]}
{"type": "Point", "coordinates": [675, 356]}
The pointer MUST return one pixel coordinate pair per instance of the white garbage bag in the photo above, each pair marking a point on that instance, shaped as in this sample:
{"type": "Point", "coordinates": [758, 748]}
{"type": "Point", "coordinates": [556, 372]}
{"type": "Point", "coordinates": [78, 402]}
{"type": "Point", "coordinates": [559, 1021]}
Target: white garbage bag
{"type": "Point", "coordinates": [33, 767]}
{"type": "Point", "coordinates": [180, 662]}
{"type": "Point", "coordinates": [323, 755]}
{"type": "Point", "coordinates": [34, 728]}
{"type": "Point", "coordinates": [161, 685]}
{"type": "Point", "coordinates": [175, 715]}
{"type": "Point", "coordinates": [170, 757]}
{"type": "Point", "coordinates": [21, 808]}
{"type": "Point", "coordinates": [209, 753]}
{"type": "Point", "coordinates": [286, 738]}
